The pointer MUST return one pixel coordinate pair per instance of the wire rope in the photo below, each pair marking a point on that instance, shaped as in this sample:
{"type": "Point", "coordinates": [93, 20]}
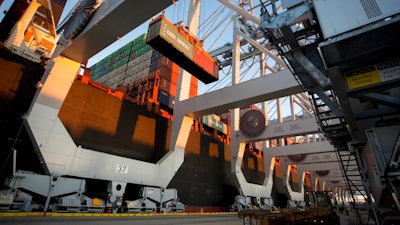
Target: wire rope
{"type": "Point", "coordinates": [212, 25]}
{"type": "Point", "coordinates": [219, 36]}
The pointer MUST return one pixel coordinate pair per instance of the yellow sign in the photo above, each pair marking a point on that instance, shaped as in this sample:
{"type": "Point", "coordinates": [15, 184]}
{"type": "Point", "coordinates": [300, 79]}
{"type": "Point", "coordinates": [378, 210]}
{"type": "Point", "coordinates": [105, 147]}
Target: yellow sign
{"type": "Point", "coordinates": [362, 77]}
{"type": "Point", "coordinates": [370, 75]}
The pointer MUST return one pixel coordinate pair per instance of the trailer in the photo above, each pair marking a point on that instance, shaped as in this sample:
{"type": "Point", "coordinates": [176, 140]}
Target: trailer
{"type": "Point", "coordinates": [319, 210]}
{"type": "Point", "coordinates": [289, 216]}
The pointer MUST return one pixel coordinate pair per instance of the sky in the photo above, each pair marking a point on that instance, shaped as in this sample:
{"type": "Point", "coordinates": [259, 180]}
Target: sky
{"type": "Point", "coordinates": [3, 7]}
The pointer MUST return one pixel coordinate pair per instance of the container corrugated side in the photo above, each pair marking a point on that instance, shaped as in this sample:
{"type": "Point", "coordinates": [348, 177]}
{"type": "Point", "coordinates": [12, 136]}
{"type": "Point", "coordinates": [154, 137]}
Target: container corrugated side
{"type": "Point", "coordinates": [168, 33]}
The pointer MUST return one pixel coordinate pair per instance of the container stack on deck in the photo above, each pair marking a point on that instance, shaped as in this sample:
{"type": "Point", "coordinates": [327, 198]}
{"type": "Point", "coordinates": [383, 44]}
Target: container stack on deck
{"type": "Point", "coordinates": [149, 76]}
{"type": "Point", "coordinates": [127, 64]}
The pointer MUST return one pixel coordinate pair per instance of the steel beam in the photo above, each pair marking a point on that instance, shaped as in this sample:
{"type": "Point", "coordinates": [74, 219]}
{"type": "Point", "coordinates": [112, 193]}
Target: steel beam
{"type": "Point", "coordinates": [286, 129]}
{"type": "Point", "coordinates": [240, 11]}
{"type": "Point", "coordinates": [306, 148]}
{"type": "Point", "coordinates": [317, 158]}
{"type": "Point", "coordinates": [271, 86]}
{"type": "Point", "coordinates": [112, 20]}
{"type": "Point", "coordinates": [319, 166]}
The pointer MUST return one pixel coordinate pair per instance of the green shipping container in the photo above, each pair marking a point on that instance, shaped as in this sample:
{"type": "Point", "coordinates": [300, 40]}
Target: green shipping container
{"type": "Point", "coordinates": [213, 122]}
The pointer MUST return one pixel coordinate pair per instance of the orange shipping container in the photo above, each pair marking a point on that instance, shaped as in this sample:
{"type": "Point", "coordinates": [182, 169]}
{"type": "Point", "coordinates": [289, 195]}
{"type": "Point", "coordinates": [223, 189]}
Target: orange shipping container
{"type": "Point", "coordinates": [202, 59]}
{"type": "Point", "coordinates": [175, 68]}
{"type": "Point", "coordinates": [193, 91]}
{"type": "Point", "coordinates": [194, 81]}
{"type": "Point", "coordinates": [174, 77]}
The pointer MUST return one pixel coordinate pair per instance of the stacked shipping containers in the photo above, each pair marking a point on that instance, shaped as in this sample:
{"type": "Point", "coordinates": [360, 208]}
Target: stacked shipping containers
{"type": "Point", "coordinates": [168, 73]}
{"type": "Point", "coordinates": [214, 121]}
{"type": "Point", "coordinates": [136, 65]}
{"type": "Point", "coordinates": [124, 65]}
{"type": "Point", "coordinates": [139, 61]}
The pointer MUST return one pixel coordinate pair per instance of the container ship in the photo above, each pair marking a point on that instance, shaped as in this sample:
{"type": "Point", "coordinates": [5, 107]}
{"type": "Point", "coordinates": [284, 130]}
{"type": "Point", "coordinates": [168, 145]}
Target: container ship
{"type": "Point", "coordinates": [119, 143]}
{"type": "Point", "coordinates": [122, 106]}
{"type": "Point", "coordinates": [100, 118]}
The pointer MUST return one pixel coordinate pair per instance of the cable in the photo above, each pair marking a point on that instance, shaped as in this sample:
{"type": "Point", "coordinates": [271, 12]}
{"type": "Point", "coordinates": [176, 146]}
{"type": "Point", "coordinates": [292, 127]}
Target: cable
{"type": "Point", "coordinates": [223, 31]}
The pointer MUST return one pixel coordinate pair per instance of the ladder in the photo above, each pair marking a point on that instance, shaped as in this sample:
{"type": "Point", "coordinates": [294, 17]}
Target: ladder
{"type": "Point", "coordinates": [335, 129]}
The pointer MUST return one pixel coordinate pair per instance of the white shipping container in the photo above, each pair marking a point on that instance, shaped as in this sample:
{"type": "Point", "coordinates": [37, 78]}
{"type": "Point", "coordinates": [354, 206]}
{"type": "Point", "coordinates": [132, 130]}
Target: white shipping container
{"type": "Point", "coordinates": [124, 67]}
{"type": "Point", "coordinates": [147, 62]}
{"type": "Point", "coordinates": [101, 79]}
{"type": "Point", "coordinates": [108, 81]}
{"type": "Point", "coordinates": [136, 76]}
{"type": "Point", "coordinates": [118, 77]}
{"type": "Point", "coordinates": [105, 75]}
{"type": "Point", "coordinates": [148, 54]}
{"type": "Point", "coordinates": [137, 67]}
{"type": "Point", "coordinates": [121, 68]}
{"type": "Point", "coordinates": [140, 73]}
{"type": "Point", "coordinates": [111, 80]}
{"type": "Point", "coordinates": [131, 64]}
{"type": "Point", "coordinates": [136, 60]}
{"type": "Point", "coordinates": [146, 70]}
{"type": "Point", "coordinates": [122, 74]}
{"type": "Point", "coordinates": [117, 70]}
{"type": "Point", "coordinates": [142, 66]}
{"type": "Point", "coordinates": [135, 70]}
{"type": "Point", "coordinates": [111, 74]}
{"type": "Point", "coordinates": [120, 80]}
{"type": "Point", "coordinates": [133, 78]}
{"type": "Point", "coordinates": [127, 81]}
{"type": "Point", "coordinates": [113, 86]}
{"type": "Point", "coordinates": [130, 71]}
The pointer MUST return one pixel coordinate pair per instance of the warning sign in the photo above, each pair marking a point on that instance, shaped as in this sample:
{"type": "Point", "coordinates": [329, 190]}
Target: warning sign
{"type": "Point", "coordinates": [373, 74]}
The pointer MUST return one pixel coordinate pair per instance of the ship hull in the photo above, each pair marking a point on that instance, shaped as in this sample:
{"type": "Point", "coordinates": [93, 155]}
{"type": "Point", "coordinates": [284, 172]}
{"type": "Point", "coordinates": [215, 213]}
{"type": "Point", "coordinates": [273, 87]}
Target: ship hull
{"type": "Point", "coordinates": [18, 77]}
{"type": "Point", "coordinates": [204, 181]}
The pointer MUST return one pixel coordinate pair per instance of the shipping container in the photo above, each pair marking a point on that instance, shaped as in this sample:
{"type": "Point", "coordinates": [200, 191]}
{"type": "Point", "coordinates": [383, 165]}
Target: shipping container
{"type": "Point", "coordinates": [205, 62]}
{"type": "Point", "coordinates": [167, 86]}
{"type": "Point", "coordinates": [214, 122]}
{"type": "Point", "coordinates": [194, 84]}
{"type": "Point", "coordinates": [165, 62]}
{"type": "Point", "coordinates": [164, 36]}
{"type": "Point", "coordinates": [163, 98]}
{"type": "Point", "coordinates": [136, 65]}
{"type": "Point", "coordinates": [167, 74]}
{"type": "Point", "coordinates": [174, 43]}
{"type": "Point", "coordinates": [176, 69]}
